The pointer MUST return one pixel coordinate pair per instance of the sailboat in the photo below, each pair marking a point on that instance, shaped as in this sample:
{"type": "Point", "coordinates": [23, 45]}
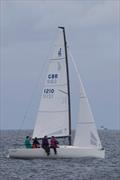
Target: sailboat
{"type": "Point", "coordinates": [54, 113]}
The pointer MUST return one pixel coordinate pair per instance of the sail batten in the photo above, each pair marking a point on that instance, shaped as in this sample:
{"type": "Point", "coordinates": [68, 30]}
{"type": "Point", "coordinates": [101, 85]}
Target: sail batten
{"type": "Point", "coordinates": [57, 59]}
{"type": "Point", "coordinates": [53, 111]}
{"type": "Point", "coordinates": [86, 123]}
{"type": "Point", "coordinates": [56, 85]}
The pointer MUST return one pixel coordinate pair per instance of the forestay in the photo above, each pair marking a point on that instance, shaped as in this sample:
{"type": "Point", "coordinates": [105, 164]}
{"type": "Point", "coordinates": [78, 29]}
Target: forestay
{"type": "Point", "coordinates": [52, 116]}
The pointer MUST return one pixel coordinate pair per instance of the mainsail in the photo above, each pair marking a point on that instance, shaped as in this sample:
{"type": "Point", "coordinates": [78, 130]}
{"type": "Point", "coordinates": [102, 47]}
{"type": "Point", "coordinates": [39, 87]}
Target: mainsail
{"type": "Point", "coordinates": [53, 116]}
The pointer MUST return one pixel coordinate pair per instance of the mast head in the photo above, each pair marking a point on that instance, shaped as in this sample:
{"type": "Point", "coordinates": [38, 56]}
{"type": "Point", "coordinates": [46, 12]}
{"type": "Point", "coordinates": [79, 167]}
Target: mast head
{"type": "Point", "coordinates": [61, 27]}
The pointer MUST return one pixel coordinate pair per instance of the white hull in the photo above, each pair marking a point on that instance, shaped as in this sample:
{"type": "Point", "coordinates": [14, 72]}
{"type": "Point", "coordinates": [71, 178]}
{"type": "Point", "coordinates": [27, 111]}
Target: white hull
{"type": "Point", "coordinates": [62, 152]}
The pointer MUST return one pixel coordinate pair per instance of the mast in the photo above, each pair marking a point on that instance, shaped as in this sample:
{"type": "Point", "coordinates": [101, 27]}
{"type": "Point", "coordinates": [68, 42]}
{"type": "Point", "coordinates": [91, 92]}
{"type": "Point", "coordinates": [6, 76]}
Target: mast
{"type": "Point", "coordinates": [68, 84]}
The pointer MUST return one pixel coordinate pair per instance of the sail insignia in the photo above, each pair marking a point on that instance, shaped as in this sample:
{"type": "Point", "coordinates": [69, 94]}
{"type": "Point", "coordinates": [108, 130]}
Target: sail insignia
{"type": "Point", "coordinates": [60, 52]}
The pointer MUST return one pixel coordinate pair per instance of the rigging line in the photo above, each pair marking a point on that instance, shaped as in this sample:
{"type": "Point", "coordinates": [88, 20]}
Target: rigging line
{"type": "Point", "coordinates": [82, 90]}
{"type": "Point", "coordinates": [32, 95]}
{"type": "Point", "coordinates": [33, 92]}
{"type": "Point", "coordinates": [76, 69]}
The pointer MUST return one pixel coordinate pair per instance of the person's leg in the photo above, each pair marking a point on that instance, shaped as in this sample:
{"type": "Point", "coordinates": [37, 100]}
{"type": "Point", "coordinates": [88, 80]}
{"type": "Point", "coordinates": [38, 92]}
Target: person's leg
{"type": "Point", "coordinates": [47, 150]}
{"type": "Point", "coordinates": [55, 151]}
{"type": "Point", "coordinates": [44, 147]}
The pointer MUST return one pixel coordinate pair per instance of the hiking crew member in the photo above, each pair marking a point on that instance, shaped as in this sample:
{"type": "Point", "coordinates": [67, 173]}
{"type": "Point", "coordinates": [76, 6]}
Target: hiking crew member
{"type": "Point", "coordinates": [45, 145]}
{"type": "Point", "coordinates": [36, 143]}
{"type": "Point", "coordinates": [54, 144]}
{"type": "Point", "coordinates": [27, 142]}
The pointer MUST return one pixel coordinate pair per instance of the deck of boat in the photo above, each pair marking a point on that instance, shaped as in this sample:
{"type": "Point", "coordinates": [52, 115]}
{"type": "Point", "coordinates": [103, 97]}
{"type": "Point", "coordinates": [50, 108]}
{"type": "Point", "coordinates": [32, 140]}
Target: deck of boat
{"type": "Point", "coordinates": [62, 152]}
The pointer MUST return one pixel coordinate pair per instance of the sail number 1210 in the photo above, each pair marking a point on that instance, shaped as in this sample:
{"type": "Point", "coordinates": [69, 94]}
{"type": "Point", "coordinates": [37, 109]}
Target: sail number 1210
{"type": "Point", "coordinates": [49, 91]}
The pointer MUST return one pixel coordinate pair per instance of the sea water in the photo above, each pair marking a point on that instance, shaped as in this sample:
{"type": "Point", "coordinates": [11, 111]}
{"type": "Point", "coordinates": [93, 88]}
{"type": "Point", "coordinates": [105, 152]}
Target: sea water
{"type": "Point", "coordinates": [60, 169]}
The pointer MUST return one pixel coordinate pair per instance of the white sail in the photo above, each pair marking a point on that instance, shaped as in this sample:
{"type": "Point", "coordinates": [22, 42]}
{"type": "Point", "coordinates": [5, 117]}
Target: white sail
{"type": "Point", "coordinates": [52, 116]}
{"type": "Point", "coordinates": [86, 132]}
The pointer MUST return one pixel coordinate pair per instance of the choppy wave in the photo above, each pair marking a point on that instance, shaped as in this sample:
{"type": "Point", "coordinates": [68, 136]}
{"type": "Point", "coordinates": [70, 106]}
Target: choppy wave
{"type": "Point", "coordinates": [61, 169]}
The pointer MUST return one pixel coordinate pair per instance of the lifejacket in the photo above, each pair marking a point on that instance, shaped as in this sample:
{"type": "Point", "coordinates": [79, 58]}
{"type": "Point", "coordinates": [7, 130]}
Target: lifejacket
{"type": "Point", "coordinates": [45, 142]}
{"type": "Point", "coordinates": [53, 143]}
{"type": "Point", "coordinates": [27, 143]}
{"type": "Point", "coordinates": [34, 146]}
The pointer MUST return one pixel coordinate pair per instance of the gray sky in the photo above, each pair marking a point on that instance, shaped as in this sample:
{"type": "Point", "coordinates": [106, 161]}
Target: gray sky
{"type": "Point", "coordinates": [28, 31]}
